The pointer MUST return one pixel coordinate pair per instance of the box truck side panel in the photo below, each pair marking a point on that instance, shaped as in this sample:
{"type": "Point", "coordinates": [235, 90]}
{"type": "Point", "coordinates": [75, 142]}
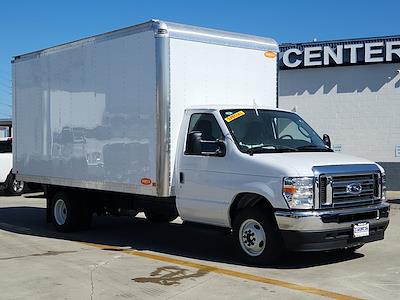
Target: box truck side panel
{"type": "Point", "coordinates": [87, 115]}
{"type": "Point", "coordinates": [205, 73]}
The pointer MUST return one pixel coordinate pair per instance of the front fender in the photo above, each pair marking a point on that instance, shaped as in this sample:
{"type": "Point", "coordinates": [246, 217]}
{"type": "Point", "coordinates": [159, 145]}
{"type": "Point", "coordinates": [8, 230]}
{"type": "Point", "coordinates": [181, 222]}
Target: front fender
{"type": "Point", "coordinates": [268, 187]}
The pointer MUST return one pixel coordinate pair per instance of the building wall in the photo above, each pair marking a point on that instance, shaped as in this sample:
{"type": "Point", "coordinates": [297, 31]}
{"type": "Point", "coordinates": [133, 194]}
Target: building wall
{"type": "Point", "coordinates": [358, 106]}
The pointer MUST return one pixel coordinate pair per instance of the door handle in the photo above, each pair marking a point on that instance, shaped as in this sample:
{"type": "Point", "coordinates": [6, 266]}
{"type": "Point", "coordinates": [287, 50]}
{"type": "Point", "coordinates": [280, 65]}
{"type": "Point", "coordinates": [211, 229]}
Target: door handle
{"type": "Point", "coordinates": [181, 177]}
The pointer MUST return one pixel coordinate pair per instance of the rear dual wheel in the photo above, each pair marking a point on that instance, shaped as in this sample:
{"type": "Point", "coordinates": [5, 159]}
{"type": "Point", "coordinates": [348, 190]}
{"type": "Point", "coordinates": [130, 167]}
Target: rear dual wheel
{"type": "Point", "coordinates": [69, 213]}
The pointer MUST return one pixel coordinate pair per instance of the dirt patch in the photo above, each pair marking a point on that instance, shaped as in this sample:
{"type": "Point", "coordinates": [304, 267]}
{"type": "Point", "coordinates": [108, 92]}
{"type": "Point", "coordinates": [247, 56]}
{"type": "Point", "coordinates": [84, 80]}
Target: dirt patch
{"type": "Point", "coordinates": [170, 275]}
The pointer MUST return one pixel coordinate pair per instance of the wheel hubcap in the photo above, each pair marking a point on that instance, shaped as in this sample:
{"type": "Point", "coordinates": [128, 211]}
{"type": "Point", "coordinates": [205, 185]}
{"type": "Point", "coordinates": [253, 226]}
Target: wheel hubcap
{"type": "Point", "coordinates": [252, 237]}
{"type": "Point", "coordinates": [60, 212]}
{"type": "Point", "coordinates": [18, 186]}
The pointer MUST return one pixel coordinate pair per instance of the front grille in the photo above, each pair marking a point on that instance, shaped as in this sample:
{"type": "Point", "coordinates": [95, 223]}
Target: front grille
{"type": "Point", "coordinates": [348, 190]}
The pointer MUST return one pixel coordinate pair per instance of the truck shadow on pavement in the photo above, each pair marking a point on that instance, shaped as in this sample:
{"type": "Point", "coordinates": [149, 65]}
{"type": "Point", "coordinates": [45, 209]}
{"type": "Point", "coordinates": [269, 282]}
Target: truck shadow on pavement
{"type": "Point", "coordinates": [181, 240]}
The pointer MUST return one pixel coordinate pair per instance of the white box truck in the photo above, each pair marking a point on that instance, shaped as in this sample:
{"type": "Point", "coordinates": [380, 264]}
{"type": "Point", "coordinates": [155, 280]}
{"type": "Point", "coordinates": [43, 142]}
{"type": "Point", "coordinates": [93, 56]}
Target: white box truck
{"type": "Point", "coordinates": [169, 120]}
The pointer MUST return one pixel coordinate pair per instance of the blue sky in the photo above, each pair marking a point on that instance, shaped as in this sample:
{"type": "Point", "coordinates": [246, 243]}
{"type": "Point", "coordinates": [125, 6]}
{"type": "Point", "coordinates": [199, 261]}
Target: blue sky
{"type": "Point", "coordinates": [31, 25]}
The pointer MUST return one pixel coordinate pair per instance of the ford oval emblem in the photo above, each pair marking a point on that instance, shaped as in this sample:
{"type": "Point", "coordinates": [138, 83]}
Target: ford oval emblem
{"type": "Point", "coordinates": [354, 188]}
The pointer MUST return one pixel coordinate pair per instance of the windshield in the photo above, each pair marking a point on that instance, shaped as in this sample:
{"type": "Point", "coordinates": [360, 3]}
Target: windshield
{"type": "Point", "coordinates": [257, 131]}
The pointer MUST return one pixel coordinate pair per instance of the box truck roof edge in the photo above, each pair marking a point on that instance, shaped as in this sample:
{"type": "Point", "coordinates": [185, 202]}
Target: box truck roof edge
{"type": "Point", "coordinates": [174, 30]}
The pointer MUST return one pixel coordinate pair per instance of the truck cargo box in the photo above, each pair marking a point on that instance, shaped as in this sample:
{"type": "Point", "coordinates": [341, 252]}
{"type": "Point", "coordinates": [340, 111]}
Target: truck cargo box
{"type": "Point", "coordinates": [104, 112]}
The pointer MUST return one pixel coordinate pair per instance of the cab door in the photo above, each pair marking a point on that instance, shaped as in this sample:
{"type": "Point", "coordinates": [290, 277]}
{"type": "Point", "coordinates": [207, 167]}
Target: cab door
{"type": "Point", "coordinates": [200, 193]}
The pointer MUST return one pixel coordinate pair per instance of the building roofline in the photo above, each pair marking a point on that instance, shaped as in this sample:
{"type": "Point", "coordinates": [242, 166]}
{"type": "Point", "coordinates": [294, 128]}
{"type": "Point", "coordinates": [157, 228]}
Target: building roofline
{"type": "Point", "coordinates": [342, 41]}
{"type": "Point", "coordinates": [5, 122]}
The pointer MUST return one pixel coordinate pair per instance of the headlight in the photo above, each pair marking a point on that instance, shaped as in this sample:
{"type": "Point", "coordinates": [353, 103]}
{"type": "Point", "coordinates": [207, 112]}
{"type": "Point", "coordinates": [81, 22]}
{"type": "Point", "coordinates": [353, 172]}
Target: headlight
{"type": "Point", "coordinates": [298, 192]}
{"type": "Point", "coordinates": [383, 185]}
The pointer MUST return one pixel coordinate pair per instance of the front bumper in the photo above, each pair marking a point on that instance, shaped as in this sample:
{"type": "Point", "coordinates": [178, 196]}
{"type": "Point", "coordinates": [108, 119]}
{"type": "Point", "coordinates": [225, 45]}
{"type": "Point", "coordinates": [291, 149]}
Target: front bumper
{"type": "Point", "coordinates": [331, 229]}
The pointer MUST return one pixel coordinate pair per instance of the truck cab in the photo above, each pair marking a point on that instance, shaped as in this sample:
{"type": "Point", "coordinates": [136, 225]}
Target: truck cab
{"type": "Point", "coordinates": [270, 177]}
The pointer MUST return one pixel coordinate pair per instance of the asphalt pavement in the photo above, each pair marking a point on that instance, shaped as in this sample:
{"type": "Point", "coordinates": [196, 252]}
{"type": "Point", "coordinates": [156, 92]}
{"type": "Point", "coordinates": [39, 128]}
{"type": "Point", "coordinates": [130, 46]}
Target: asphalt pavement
{"type": "Point", "coordinates": [130, 258]}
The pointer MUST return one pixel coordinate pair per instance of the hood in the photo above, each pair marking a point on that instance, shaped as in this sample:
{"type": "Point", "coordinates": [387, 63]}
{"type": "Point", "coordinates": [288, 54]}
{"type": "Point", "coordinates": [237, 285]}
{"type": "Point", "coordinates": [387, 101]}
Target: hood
{"type": "Point", "coordinates": [298, 163]}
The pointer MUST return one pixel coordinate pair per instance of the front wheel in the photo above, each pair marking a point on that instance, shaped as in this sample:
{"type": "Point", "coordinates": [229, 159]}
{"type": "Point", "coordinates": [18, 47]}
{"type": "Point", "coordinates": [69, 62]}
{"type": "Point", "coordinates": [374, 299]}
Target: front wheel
{"type": "Point", "coordinates": [257, 237]}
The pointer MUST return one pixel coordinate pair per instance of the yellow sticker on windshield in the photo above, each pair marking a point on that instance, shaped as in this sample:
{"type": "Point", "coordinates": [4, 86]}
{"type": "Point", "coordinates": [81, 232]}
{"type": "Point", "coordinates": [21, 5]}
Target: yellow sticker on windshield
{"type": "Point", "coordinates": [234, 116]}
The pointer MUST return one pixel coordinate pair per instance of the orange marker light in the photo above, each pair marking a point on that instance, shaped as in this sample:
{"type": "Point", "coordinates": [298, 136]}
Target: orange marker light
{"type": "Point", "coordinates": [145, 181]}
{"type": "Point", "coordinates": [270, 54]}
{"type": "Point", "coordinates": [289, 189]}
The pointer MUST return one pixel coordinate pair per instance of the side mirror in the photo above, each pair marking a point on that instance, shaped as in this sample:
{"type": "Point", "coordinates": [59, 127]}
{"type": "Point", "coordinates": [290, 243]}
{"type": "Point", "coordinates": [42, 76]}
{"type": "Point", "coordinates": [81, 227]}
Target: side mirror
{"type": "Point", "coordinates": [196, 146]}
{"type": "Point", "coordinates": [193, 143]}
{"type": "Point", "coordinates": [327, 140]}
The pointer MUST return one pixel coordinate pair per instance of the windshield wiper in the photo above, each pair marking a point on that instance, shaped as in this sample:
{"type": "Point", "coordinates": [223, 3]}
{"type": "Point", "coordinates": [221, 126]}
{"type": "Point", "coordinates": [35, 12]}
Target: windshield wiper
{"type": "Point", "coordinates": [314, 147]}
{"type": "Point", "coordinates": [262, 148]}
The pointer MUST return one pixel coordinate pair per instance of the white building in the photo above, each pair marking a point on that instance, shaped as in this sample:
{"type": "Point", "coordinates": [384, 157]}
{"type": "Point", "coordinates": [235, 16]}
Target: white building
{"type": "Point", "coordinates": [349, 89]}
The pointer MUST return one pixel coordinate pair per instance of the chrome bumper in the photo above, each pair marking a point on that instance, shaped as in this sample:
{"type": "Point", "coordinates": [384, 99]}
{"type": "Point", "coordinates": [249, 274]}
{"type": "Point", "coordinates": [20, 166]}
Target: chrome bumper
{"type": "Point", "coordinates": [333, 219]}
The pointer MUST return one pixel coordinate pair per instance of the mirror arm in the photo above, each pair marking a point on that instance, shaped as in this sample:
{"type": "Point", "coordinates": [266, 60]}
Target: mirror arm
{"type": "Point", "coordinates": [218, 152]}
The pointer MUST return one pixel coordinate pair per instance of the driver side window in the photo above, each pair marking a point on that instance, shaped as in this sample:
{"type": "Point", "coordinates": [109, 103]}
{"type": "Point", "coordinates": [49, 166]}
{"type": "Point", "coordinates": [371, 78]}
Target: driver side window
{"type": "Point", "coordinates": [206, 125]}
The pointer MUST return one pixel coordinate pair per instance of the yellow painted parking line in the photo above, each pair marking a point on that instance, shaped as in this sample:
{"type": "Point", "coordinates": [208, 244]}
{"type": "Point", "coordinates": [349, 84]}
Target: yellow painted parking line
{"type": "Point", "coordinates": [218, 270]}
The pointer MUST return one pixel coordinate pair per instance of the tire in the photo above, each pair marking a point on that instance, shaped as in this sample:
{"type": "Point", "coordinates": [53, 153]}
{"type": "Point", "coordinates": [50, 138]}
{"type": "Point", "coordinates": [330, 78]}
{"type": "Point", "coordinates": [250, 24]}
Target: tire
{"type": "Point", "coordinates": [257, 238]}
{"type": "Point", "coordinates": [164, 217]}
{"type": "Point", "coordinates": [69, 214]}
{"type": "Point", "coordinates": [16, 187]}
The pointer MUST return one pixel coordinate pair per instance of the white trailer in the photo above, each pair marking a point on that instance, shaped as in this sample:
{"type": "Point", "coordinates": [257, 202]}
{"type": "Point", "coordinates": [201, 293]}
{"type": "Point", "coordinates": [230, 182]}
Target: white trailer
{"type": "Point", "coordinates": [112, 124]}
